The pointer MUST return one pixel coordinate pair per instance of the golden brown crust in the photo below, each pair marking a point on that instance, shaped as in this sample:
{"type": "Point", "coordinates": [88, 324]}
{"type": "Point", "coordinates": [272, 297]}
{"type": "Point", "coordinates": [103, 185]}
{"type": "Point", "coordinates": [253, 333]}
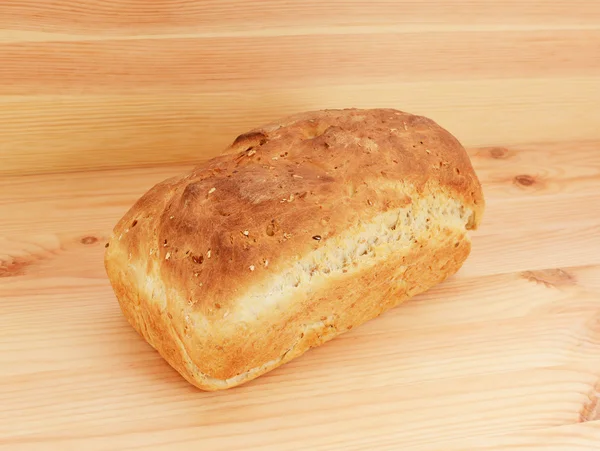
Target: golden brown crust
{"type": "Point", "coordinates": [193, 258]}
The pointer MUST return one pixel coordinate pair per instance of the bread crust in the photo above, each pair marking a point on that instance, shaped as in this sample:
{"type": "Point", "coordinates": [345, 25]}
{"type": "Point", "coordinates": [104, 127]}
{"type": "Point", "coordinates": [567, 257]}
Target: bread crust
{"type": "Point", "coordinates": [301, 230]}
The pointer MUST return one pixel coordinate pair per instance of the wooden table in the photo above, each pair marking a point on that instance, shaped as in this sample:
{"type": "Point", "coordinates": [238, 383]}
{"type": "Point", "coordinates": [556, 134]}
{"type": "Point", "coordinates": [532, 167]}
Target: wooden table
{"type": "Point", "coordinates": [100, 100]}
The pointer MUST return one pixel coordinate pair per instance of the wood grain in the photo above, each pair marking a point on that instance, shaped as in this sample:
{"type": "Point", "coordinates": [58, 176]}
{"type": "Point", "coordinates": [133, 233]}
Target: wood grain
{"type": "Point", "coordinates": [503, 355]}
{"type": "Point", "coordinates": [217, 64]}
{"type": "Point", "coordinates": [138, 17]}
{"type": "Point", "coordinates": [100, 100]}
{"type": "Point", "coordinates": [92, 84]}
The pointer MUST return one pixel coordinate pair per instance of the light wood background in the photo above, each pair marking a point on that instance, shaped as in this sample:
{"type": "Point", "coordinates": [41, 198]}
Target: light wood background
{"type": "Point", "coordinates": [99, 100]}
{"type": "Point", "coordinates": [103, 84]}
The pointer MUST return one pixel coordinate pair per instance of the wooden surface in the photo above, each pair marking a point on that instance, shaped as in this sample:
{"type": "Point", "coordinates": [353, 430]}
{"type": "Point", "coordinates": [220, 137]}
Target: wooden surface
{"type": "Point", "coordinates": [100, 100]}
{"type": "Point", "coordinates": [122, 83]}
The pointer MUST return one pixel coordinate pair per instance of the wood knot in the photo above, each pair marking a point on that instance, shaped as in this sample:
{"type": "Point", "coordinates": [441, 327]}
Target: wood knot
{"type": "Point", "coordinates": [590, 411]}
{"type": "Point", "coordinates": [550, 277]}
{"type": "Point", "coordinates": [499, 153]}
{"type": "Point", "coordinates": [89, 240]}
{"type": "Point", "coordinates": [13, 268]}
{"type": "Point", "coordinates": [524, 180]}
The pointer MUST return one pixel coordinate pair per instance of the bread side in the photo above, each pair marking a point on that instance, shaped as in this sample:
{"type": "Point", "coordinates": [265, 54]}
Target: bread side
{"type": "Point", "coordinates": [322, 222]}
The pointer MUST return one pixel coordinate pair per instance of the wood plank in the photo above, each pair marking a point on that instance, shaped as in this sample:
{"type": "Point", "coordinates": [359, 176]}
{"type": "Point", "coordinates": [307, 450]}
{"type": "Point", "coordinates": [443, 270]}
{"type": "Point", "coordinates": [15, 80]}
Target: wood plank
{"type": "Point", "coordinates": [99, 132]}
{"type": "Point", "coordinates": [135, 17]}
{"type": "Point", "coordinates": [227, 64]}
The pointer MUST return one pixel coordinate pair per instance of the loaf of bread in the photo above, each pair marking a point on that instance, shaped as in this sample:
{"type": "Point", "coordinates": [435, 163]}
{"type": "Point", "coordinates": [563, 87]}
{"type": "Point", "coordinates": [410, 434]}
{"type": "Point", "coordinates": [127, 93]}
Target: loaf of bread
{"type": "Point", "coordinates": [299, 231]}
